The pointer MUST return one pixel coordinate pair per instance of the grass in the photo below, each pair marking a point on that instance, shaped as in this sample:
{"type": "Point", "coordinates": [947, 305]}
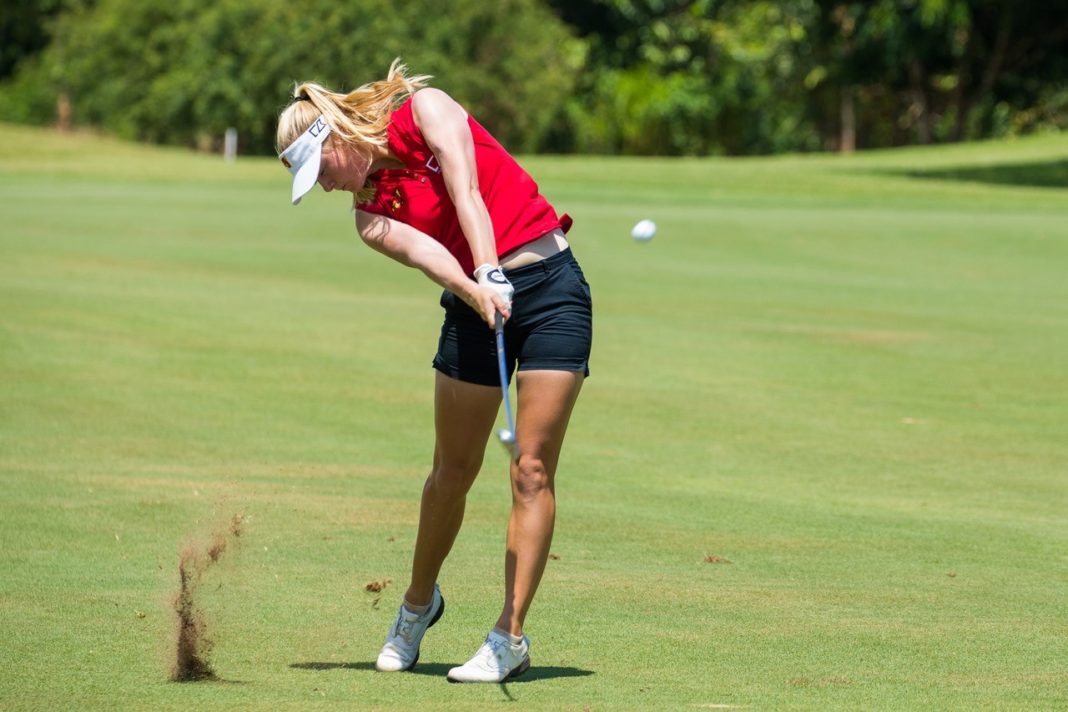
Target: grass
{"type": "Point", "coordinates": [847, 377]}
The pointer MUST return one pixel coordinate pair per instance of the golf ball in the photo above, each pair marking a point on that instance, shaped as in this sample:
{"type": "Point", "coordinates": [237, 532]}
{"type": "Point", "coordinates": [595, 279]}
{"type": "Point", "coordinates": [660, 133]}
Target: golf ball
{"type": "Point", "coordinates": [644, 231]}
{"type": "Point", "coordinates": [506, 436]}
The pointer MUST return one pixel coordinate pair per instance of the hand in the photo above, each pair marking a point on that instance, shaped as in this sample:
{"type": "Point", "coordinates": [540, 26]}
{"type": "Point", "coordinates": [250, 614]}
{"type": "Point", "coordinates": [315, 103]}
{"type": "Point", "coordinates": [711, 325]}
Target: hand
{"type": "Point", "coordinates": [493, 279]}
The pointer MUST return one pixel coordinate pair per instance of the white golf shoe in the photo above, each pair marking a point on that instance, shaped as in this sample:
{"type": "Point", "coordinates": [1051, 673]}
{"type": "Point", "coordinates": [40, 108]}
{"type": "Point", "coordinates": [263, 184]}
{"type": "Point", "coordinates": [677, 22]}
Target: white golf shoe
{"type": "Point", "coordinates": [401, 651]}
{"type": "Point", "coordinates": [496, 661]}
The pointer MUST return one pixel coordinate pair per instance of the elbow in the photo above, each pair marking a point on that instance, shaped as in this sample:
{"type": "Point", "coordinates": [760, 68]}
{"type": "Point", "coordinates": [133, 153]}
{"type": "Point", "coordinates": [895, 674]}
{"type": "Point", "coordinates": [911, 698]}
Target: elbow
{"type": "Point", "coordinates": [373, 240]}
{"type": "Point", "coordinates": [472, 187]}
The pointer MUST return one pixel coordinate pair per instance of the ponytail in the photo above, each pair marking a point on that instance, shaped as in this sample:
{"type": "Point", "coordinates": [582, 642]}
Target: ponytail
{"type": "Point", "coordinates": [359, 117]}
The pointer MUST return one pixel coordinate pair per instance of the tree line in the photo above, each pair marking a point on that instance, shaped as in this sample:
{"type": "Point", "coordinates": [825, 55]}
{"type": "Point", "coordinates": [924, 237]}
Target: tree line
{"type": "Point", "coordinates": [650, 77]}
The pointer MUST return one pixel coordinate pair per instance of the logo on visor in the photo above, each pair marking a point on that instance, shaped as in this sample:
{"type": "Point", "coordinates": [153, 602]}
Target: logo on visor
{"type": "Point", "coordinates": [317, 128]}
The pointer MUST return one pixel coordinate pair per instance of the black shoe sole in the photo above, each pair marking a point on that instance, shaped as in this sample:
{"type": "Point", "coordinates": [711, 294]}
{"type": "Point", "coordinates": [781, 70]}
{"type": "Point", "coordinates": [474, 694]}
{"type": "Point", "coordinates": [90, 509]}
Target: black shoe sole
{"type": "Point", "coordinates": [522, 668]}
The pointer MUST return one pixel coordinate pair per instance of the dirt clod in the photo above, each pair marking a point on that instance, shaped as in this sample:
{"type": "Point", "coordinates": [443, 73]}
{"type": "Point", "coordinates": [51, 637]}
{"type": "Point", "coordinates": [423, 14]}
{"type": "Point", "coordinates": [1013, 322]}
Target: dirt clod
{"type": "Point", "coordinates": [378, 586]}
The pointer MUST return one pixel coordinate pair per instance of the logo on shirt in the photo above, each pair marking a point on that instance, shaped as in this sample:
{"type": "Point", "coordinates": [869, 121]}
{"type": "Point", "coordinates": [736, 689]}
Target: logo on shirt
{"type": "Point", "coordinates": [432, 164]}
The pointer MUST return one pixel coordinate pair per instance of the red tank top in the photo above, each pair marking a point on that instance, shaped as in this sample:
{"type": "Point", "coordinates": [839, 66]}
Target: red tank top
{"type": "Point", "coordinates": [416, 194]}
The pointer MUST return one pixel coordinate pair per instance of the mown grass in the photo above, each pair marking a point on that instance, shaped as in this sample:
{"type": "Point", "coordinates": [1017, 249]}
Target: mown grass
{"type": "Point", "coordinates": [846, 377]}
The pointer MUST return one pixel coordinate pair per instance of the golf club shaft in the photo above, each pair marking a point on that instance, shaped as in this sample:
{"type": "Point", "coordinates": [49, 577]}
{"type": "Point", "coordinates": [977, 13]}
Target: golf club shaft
{"type": "Point", "coordinates": [499, 329]}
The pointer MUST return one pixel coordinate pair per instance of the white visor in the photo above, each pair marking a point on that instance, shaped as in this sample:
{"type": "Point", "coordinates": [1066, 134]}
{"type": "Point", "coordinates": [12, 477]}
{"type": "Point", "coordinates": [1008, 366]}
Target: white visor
{"type": "Point", "coordinates": [303, 156]}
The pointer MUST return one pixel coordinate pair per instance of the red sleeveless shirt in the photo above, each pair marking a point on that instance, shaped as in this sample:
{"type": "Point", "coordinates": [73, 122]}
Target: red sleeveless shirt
{"type": "Point", "coordinates": [416, 194]}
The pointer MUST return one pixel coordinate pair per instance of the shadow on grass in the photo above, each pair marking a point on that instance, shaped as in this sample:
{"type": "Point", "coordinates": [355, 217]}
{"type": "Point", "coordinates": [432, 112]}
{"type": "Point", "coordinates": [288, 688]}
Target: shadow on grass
{"type": "Point", "coordinates": [1039, 174]}
{"type": "Point", "coordinates": [545, 672]}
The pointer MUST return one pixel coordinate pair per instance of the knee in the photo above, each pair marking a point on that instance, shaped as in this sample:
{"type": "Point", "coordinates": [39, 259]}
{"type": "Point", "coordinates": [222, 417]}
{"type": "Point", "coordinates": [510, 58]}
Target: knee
{"type": "Point", "coordinates": [530, 478]}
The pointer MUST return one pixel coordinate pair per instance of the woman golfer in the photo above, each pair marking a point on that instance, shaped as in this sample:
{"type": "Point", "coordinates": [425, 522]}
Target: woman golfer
{"type": "Point", "coordinates": [435, 191]}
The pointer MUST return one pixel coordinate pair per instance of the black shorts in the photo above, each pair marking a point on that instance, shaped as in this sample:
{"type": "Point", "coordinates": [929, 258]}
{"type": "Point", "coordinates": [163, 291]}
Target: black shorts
{"type": "Point", "coordinates": [551, 326]}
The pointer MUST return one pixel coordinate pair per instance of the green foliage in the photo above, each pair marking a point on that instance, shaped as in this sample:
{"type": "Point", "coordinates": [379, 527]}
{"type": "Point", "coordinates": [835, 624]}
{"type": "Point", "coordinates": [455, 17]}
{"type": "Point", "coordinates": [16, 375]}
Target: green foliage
{"type": "Point", "coordinates": [940, 70]}
{"type": "Point", "coordinates": [29, 97]}
{"type": "Point", "coordinates": [696, 78]}
{"type": "Point", "coordinates": [680, 77]}
{"type": "Point", "coordinates": [639, 111]}
{"type": "Point", "coordinates": [182, 71]}
{"type": "Point", "coordinates": [779, 75]}
{"type": "Point", "coordinates": [24, 30]}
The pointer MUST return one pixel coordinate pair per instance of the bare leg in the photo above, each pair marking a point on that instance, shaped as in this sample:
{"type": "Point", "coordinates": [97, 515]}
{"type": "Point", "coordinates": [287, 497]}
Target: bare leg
{"type": "Point", "coordinates": [546, 399]}
{"type": "Point", "coordinates": [463, 415]}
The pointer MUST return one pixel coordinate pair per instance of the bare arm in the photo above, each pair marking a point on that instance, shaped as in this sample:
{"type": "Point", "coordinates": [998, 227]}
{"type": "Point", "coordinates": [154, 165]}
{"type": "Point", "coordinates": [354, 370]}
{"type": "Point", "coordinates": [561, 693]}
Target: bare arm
{"type": "Point", "coordinates": [443, 124]}
{"type": "Point", "coordinates": [414, 248]}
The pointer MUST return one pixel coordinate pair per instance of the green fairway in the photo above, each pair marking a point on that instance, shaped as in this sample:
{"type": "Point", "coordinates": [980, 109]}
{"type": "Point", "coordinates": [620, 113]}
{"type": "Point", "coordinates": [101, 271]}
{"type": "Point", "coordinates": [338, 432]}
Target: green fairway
{"type": "Point", "coordinates": [821, 461]}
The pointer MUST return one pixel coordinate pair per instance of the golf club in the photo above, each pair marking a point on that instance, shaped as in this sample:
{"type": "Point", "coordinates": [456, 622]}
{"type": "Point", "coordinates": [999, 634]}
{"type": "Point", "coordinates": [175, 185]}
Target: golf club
{"type": "Point", "coordinates": [505, 435]}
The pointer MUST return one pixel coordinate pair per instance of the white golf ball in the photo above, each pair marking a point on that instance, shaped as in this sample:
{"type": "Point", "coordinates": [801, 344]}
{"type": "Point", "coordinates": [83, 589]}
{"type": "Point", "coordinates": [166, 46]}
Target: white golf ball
{"type": "Point", "coordinates": [506, 436]}
{"type": "Point", "coordinates": [644, 231]}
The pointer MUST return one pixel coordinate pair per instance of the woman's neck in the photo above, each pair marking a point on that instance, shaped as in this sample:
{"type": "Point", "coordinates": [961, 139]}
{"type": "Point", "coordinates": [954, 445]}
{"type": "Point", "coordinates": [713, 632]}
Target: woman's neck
{"type": "Point", "coordinates": [381, 158]}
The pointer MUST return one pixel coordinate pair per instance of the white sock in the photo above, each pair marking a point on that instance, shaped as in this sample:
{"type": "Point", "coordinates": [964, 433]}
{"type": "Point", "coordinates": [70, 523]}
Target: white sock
{"type": "Point", "coordinates": [513, 639]}
{"type": "Point", "coordinates": [418, 610]}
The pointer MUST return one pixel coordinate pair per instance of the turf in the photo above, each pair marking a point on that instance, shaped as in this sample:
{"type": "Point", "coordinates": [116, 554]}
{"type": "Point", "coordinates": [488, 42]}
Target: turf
{"type": "Point", "coordinates": [821, 462]}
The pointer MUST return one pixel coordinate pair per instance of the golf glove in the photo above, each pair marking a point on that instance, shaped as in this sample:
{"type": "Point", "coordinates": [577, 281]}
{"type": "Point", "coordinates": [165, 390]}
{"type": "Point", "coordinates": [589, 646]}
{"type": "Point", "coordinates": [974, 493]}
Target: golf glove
{"type": "Point", "coordinates": [492, 277]}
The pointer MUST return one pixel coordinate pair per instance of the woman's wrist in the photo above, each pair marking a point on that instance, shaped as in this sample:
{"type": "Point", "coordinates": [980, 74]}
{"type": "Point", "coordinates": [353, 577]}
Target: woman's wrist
{"type": "Point", "coordinates": [468, 291]}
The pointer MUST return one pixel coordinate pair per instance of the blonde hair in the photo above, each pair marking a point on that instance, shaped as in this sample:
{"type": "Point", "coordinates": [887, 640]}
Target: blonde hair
{"type": "Point", "coordinates": [358, 118]}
